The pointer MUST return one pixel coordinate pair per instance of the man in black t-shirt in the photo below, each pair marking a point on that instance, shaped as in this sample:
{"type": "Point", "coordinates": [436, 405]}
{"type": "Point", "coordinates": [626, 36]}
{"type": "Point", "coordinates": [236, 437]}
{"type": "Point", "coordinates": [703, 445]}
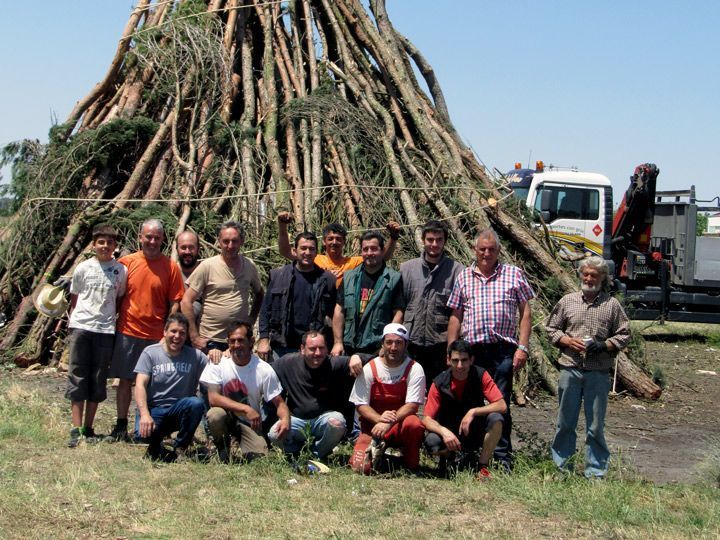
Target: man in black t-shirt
{"type": "Point", "coordinates": [300, 297]}
{"type": "Point", "coordinates": [316, 393]}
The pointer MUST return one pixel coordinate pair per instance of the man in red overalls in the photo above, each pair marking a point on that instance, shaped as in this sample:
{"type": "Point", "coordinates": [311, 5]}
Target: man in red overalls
{"type": "Point", "coordinates": [387, 396]}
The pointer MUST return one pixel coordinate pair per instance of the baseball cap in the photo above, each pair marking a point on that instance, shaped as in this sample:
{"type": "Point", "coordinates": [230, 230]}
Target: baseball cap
{"type": "Point", "coordinates": [397, 329]}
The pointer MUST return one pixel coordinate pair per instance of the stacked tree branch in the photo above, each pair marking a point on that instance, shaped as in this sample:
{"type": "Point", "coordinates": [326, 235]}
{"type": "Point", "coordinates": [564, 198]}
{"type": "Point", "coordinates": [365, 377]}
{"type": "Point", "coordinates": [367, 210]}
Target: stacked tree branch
{"type": "Point", "coordinates": [244, 108]}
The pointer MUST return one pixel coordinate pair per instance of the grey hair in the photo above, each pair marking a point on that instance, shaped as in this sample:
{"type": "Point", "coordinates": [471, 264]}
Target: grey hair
{"type": "Point", "coordinates": [599, 264]}
{"type": "Point", "coordinates": [153, 223]}
{"type": "Point", "coordinates": [232, 224]}
{"type": "Point", "coordinates": [488, 233]}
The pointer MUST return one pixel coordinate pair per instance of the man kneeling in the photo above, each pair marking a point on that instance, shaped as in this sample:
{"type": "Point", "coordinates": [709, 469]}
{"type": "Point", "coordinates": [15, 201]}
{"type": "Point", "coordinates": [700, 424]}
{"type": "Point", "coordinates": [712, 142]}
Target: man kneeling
{"type": "Point", "coordinates": [316, 386]}
{"type": "Point", "coordinates": [456, 417]}
{"type": "Point", "coordinates": [388, 395]}
{"type": "Point", "coordinates": [237, 388]}
{"type": "Point", "coordinates": [165, 386]}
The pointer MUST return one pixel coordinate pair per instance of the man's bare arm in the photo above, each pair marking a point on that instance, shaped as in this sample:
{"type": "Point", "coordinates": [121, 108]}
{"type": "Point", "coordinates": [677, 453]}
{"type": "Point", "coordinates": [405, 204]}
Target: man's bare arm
{"type": "Point", "coordinates": [338, 324]}
{"type": "Point", "coordinates": [186, 306]}
{"type": "Point", "coordinates": [284, 247]}
{"type": "Point", "coordinates": [454, 324]}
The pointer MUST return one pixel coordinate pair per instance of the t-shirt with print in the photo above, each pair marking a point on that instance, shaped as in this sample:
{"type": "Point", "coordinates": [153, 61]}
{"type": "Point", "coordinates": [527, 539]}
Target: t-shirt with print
{"type": "Point", "coordinates": [172, 378]}
{"type": "Point", "coordinates": [250, 384]}
{"type": "Point", "coordinates": [226, 295]}
{"type": "Point", "coordinates": [360, 394]}
{"type": "Point", "coordinates": [152, 285]}
{"type": "Point", "coordinates": [338, 270]}
{"type": "Point", "coordinates": [367, 289]}
{"type": "Point", "coordinates": [98, 286]}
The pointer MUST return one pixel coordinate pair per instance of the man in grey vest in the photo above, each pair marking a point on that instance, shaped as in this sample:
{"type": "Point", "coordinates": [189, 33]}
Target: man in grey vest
{"type": "Point", "coordinates": [427, 281]}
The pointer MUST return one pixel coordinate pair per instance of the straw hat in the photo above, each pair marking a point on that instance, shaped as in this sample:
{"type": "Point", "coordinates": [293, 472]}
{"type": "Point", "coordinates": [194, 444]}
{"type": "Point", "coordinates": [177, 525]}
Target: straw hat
{"type": "Point", "coordinates": [51, 301]}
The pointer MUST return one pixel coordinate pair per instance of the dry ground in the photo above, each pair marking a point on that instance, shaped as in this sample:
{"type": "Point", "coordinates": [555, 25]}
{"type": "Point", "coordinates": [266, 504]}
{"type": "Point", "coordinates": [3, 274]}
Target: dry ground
{"type": "Point", "coordinates": [665, 440]}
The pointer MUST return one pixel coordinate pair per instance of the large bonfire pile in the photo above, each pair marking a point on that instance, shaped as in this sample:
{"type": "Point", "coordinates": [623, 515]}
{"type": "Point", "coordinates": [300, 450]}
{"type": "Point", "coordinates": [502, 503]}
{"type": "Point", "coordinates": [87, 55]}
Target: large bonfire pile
{"type": "Point", "coordinates": [242, 109]}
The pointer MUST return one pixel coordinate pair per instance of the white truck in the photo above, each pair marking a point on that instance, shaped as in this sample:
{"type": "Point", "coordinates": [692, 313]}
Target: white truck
{"type": "Point", "coordinates": [664, 270]}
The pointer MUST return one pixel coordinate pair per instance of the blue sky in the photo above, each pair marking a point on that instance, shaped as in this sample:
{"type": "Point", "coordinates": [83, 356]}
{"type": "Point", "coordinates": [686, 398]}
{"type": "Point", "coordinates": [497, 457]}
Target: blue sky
{"type": "Point", "coordinates": [603, 86]}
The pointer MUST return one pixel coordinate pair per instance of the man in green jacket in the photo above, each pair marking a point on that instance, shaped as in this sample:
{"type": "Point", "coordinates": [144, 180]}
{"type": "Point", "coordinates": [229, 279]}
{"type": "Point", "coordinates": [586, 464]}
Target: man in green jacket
{"type": "Point", "coordinates": [370, 297]}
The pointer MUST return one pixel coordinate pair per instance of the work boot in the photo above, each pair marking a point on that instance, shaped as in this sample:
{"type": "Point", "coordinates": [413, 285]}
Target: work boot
{"type": "Point", "coordinates": [75, 435]}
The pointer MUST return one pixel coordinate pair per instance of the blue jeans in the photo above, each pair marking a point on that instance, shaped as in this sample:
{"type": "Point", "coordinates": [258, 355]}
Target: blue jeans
{"type": "Point", "coordinates": [326, 430]}
{"type": "Point", "coordinates": [183, 416]}
{"type": "Point", "coordinates": [574, 386]}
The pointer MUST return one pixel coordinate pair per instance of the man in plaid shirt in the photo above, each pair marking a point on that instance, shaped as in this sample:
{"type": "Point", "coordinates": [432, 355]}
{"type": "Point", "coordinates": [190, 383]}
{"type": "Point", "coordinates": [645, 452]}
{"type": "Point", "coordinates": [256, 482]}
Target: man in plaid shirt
{"type": "Point", "coordinates": [491, 310]}
{"type": "Point", "coordinates": [589, 327]}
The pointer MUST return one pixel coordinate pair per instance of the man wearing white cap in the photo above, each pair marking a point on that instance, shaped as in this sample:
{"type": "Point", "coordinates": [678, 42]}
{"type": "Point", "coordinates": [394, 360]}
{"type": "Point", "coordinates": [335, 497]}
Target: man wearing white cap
{"type": "Point", "coordinates": [387, 396]}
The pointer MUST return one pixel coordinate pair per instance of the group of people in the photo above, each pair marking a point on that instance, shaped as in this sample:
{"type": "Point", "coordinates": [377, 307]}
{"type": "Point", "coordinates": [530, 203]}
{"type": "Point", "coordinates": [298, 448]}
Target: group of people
{"type": "Point", "coordinates": [346, 348]}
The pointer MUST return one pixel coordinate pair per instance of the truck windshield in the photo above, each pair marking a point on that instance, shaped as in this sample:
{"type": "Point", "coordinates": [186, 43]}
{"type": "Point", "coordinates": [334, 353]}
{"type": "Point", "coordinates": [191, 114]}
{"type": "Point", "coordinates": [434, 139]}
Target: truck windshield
{"type": "Point", "coordinates": [564, 202]}
{"type": "Point", "coordinates": [520, 193]}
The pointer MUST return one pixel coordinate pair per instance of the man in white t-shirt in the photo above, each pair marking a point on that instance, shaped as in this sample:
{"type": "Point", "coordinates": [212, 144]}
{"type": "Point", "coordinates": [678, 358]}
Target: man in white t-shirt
{"type": "Point", "coordinates": [387, 396]}
{"type": "Point", "coordinates": [237, 388]}
{"type": "Point", "coordinates": [96, 287]}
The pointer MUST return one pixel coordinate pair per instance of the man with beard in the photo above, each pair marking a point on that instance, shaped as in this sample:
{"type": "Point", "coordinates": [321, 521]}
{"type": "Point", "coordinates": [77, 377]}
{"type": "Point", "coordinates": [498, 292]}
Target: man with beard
{"type": "Point", "coordinates": [165, 386]}
{"type": "Point", "coordinates": [230, 287]}
{"type": "Point", "coordinates": [589, 327]}
{"type": "Point", "coordinates": [427, 281]}
{"type": "Point", "coordinates": [238, 386]}
{"type": "Point", "coordinates": [300, 297]}
{"type": "Point", "coordinates": [188, 248]}
{"type": "Point", "coordinates": [388, 394]}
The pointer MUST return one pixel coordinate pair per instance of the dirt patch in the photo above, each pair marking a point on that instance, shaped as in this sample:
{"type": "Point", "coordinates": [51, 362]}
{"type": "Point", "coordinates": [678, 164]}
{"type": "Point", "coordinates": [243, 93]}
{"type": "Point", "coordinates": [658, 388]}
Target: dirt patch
{"type": "Point", "coordinates": [665, 440]}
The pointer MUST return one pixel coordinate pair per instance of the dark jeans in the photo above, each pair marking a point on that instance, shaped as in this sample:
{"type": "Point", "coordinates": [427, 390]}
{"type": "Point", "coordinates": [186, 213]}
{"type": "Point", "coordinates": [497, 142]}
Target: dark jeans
{"type": "Point", "coordinates": [183, 416]}
{"type": "Point", "coordinates": [497, 360]}
{"type": "Point", "coordinates": [472, 442]}
{"type": "Point", "coordinates": [432, 358]}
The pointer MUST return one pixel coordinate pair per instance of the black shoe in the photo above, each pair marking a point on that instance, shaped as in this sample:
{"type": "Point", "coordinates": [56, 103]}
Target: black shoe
{"type": "Point", "coordinates": [161, 454]}
{"type": "Point", "coordinates": [74, 437]}
{"type": "Point", "coordinates": [90, 436]}
{"type": "Point", "coordinates": [119, 434]}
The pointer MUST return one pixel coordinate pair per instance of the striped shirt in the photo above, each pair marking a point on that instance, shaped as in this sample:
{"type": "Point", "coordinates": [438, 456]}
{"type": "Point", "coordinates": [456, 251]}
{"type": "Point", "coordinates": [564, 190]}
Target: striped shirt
{"type": "Point", "coordinates": [603, 319]}
{"type": "Point", "coordinates": [490, 304]}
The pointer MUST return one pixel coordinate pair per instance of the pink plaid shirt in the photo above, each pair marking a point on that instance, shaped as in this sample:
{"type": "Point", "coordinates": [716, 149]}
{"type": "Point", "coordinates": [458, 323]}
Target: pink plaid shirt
{"type": "Point", "coordinates": [490, 305]}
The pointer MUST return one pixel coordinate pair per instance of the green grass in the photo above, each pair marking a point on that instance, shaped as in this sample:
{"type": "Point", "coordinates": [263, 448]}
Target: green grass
{"type": "Point", "coordinates": [109, 490]}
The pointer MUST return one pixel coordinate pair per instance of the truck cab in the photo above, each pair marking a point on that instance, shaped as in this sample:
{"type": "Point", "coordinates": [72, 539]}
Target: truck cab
{"type": "Point", "coordinates": [576, 207]}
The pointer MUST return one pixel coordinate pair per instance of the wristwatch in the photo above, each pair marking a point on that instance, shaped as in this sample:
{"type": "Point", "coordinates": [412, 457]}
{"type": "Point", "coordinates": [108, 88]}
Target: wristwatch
{"type": "Point", "coordinates": [524, 349]}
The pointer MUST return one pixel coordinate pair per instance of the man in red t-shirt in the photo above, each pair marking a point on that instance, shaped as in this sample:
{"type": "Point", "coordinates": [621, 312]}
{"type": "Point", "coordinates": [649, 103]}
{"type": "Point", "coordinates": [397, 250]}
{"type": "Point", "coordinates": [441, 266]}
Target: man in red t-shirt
{"type": "Point", "coordinates": [458, 421]}
{"type": "Point", "coordinates": [154, 290]}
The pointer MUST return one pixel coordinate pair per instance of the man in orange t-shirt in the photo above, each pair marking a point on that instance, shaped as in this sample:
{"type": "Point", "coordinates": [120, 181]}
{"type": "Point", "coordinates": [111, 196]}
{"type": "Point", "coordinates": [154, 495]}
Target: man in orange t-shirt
{"type": "Point", "coordinates": [334, 237]}
{"type": "Point", "coordinates": [154, 290]}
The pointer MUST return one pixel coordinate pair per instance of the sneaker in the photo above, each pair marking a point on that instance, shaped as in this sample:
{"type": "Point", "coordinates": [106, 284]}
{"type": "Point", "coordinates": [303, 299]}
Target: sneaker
{"type": "Point", "coordinates": [375, 452]}
{"type": "Point", "coordinates": [75, 435]}
{"type": "Point", "coordinates": [90, 436]}
{"type": "Point", "coordinates": [484, 473]}
{"type": "Point", "coordinates": [118, 434]}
